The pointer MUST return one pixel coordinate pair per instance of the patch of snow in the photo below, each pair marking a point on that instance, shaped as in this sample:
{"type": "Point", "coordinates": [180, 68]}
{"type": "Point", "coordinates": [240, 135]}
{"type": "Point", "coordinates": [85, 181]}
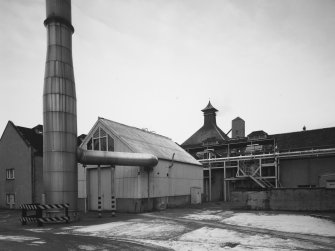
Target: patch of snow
{"type": "Point", "coordinates": [209, 215]}
{"type": "Point", "coordinates": [203, 217]}
{"type": "Point", "coordinates": [283, 222]}
{"type": "Point", "coordinates": [38, 242]}
{"type": "Point", "coordinates": [100, 227]}
{"type": "Point", "coordinates": [224, 237]}
{"type": "Point", "coordinates": [17, 238]}
{"type": "Point", "coordinates": [154, 229]}
{"type": "Point", "coordinates": [38, 230]}
{"type": "Point", "coordinates": [89, 247]}
{"type": "Point", "coordinates": [185, 245]}
{"type": "Point", "coordinates": [211, 239]}
{"type": "Point", "coordinates": [210, 211]}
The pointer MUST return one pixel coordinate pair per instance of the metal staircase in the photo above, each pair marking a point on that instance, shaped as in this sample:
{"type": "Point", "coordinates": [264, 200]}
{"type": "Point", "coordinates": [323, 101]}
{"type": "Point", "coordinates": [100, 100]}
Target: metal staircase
{"type": "Point", "coordinates": [253, 172]}
{"type": "Point", "coordinates": [264, 183]}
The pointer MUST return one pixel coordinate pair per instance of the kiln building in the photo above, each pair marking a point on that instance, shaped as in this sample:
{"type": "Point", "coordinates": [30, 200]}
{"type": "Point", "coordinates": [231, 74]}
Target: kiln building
{"type": "Point", "coordinates": [259, 160]}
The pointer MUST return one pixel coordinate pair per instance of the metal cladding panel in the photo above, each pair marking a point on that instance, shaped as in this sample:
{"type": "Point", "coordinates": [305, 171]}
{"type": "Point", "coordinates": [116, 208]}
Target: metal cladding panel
{"type": "Point", "coordinates": [63, 196]}
{"type": "Point", "coordinates": [59, 8]}
{"type": "Point", "coordinates": [127, 187]}
{"type": "Point", "coordinates": [59, 85]}
{"type": "Point", "coordinates": [65, 160]}
{"type": "Point", "coordinates": [60, 182]}
{"type": "Point", "coordinates": [58, 69]}
{"type": "Point", "coordinates": [54, 102]}
{"type": "Point", "coordinates": [60, 53]}
{"type": "Point", "coordinates": [57, 35]}
{"type": "Point", "coordinates": [60, 141]}
{"type": "Point", "coordinates": [60, 121]}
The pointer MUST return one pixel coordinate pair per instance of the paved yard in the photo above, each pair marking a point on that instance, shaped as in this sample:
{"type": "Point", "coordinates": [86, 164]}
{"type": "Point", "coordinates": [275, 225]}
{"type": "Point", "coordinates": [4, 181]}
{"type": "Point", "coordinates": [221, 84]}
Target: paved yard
{"type": "Point", "coordinates": [210, 227]}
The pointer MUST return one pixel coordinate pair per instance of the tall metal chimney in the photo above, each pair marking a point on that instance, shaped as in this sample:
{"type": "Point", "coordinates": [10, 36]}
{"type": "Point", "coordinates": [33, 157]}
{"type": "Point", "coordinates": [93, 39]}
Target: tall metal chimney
{"type": "Point", "coordinates": [59, 108]}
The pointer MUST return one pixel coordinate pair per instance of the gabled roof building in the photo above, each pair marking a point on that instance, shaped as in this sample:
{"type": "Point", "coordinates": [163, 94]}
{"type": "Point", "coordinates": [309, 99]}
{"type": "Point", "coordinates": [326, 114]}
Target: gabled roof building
{"type": "Point", "coordinates": [136, 188]}
{"type": "Point", "coordinates": [21, 165]}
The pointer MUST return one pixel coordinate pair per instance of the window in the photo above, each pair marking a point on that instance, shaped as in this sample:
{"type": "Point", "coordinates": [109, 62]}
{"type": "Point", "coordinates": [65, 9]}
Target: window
{"type": "Point", "coordinates": [10, 199]}
{"type": "Point", "coordinates": [306, 186]}
{"type": "Point", "coordinates": [10, 174]}
{"type": "Point", "coordinates": [110, 144]}
{"type": "Point", "coordinates": [89, 144]}
{"type": "Point", "coordinates": [100, 141]}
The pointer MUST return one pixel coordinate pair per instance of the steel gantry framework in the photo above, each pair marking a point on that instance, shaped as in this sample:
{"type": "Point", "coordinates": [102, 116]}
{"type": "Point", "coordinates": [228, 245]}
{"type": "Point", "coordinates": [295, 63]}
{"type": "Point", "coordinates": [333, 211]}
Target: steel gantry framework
{"type": "Point", "coordinates": [263, 169]}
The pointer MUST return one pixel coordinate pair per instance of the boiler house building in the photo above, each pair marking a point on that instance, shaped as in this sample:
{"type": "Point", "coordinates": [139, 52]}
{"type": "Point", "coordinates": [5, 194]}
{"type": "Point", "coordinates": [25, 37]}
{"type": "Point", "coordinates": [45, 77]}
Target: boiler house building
{"type": "Point", "coordinates": [168, 184]}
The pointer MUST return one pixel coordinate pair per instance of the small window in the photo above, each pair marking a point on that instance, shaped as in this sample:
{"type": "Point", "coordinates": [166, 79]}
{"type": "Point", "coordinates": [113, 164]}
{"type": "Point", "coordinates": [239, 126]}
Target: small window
{"type": "Point", "coordinates": [330, 183]}
{"type": "Point", "coordinates": [102, 133]}
{"type": "Point", "coordinates": [101, 141]}
{"type": "Point", "coordinates": [10, 174]}
{"type": "Point", "coordinates": [10, 199]}
{"type": "Point", "coordinates": [110, 144]}
{"type": "Point", "coordinates": [89, 144]}
{"type": "Point", "coordinates": [96, 144]}
{"type": "Point", "coordinates": [96, 134]}
{"type": "Point", "coordinates": [103, 144]}
{"type": "Point", "coordinates": [306, 186]}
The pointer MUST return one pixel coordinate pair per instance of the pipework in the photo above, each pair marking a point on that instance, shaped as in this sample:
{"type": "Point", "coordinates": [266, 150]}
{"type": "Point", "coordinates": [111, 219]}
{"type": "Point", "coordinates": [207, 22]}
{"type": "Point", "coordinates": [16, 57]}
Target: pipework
{"type": "Point", "coordinates": [88, 157]}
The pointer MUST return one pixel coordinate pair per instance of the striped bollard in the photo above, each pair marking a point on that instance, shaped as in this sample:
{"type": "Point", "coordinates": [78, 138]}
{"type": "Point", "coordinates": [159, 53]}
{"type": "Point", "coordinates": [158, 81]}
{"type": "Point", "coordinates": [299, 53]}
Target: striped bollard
{"type": "Point", "coordinates": [113, 199]}
{"type": "Point", "coordinates": [99, 206]}
{"type": "Point", "coordinates": [99, 191]}
{"type": "Point", "coordinates": [113, 202]}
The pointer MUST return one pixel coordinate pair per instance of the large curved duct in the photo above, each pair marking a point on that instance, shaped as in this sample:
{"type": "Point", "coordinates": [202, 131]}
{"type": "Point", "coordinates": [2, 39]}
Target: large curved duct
{"type": "Point", "coordinates": [87, 157]}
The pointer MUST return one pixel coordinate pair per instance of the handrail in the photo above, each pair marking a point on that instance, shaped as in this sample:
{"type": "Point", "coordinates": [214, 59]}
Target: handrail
{"type": "Point", "coordinates": [276, 154]}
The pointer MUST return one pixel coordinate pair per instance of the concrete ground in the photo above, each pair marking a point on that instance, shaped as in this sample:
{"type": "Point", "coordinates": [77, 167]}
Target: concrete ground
{"type": "Point", "coordinates": [211, 226]}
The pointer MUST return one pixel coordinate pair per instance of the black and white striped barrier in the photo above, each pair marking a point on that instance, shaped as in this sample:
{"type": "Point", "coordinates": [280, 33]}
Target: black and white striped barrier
{"type": "Point", "coordinates": [54, 219]}
{"type": "Point", "coordinates": [43, 207]}
{"type": "Point", "coordinates": [38, 216]}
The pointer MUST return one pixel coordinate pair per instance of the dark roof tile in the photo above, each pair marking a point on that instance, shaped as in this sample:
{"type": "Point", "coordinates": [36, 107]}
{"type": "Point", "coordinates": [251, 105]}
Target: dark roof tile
{"type": "Point", "coordinates": [33, 137]}
{"type": "Point", "coordinates": [209, 107]}
{"type": "Point", "coordinates": [311, 139]}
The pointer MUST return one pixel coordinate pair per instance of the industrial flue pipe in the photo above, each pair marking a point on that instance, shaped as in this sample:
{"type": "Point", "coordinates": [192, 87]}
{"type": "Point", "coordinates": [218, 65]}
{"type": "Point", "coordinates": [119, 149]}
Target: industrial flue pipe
{"type": "Point", "coordinates": [59, 108]}
{"type": "Point", "coordinates": [87, 157]}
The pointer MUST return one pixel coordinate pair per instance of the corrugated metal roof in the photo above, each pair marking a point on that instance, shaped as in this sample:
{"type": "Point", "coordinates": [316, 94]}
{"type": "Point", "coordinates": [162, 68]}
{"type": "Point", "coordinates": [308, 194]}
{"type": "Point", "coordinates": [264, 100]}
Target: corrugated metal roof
{"type": "Point", "coordinates": [142, 141]}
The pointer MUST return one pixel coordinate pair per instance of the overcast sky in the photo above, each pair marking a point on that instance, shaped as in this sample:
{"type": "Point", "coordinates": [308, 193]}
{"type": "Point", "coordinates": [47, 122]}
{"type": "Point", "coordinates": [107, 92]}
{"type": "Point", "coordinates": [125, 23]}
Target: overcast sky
{"type": "Point", "coordinates": [155, 63]}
